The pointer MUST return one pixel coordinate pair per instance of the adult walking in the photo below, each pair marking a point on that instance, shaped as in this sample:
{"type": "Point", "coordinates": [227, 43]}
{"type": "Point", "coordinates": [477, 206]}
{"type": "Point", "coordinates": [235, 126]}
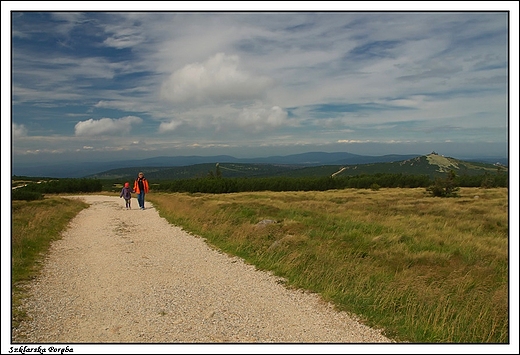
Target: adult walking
{"type": "Point", "coordinates": [141, 188]}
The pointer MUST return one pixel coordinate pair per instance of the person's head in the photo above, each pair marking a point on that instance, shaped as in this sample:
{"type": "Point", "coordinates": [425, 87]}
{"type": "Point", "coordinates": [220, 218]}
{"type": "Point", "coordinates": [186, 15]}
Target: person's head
{"type": "Point", "coordinates": [141, 174]}
{"type": "Point", "coordinates": [127, 184]}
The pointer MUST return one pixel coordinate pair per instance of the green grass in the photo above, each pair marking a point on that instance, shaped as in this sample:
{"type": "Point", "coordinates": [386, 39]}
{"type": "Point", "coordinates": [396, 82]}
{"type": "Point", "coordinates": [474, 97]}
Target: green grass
{"type": "Point", "coordinates": [35, 224]}
{"type": "Point", "coordinates": [426, 269]}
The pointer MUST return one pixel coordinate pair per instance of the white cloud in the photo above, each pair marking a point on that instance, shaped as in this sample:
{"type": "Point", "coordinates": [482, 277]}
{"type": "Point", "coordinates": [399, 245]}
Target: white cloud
{"type": "Point", "coordinates": [260, 118]}
{"type": "Point", "coordinates": [353, 141]}
{"type": "Point", "coordinates": [171, 126]}
{"type": "Point", "coordinates": [217, 79]}
{"type": "Point", "coordinates": [19, 130]}
{"type": "Point", "coordinates": [132, 105]}
{"type": "Point", "coordinates": [106, 126]}
{"type": "Point", "coordinates": [123, 38]}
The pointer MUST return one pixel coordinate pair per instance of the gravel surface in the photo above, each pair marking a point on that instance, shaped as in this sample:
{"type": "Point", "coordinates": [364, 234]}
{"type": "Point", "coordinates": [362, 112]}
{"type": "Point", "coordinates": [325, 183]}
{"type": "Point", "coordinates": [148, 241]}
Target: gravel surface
{"type": "Point", "coordinates": [128, 276]}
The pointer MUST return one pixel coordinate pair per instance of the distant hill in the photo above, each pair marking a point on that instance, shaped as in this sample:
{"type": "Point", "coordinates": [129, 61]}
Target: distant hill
{"type": "Point", "coordinates": [199, 170]}
{"type": "Point", "coordinates": [288, 165]}
{"type": "Point", "coordinates": [432, 165]}
{"type": "Point", "coordinates": [86, 169]}
{"type": "Point", "coordinates": [178, 167]}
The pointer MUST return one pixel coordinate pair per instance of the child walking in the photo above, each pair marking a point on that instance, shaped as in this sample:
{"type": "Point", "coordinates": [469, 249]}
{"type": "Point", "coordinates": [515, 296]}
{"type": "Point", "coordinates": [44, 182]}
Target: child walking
{"type": "Point", "coordinates": [126, 193]}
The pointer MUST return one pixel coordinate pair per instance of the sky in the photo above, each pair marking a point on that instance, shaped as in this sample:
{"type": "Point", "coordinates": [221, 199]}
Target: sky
{"type": "Point", "coordinates": [100, 85]}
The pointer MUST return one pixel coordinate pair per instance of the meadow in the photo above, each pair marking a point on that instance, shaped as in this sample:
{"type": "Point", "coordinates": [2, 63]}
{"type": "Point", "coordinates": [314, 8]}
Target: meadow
{"type": "Point", "coordinates": [425, 269]}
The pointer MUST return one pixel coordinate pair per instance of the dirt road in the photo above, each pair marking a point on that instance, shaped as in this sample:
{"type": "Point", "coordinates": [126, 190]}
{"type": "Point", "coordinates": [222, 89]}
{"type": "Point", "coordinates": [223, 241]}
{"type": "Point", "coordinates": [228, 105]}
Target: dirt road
{"type": "Point", "coordinates": [128, 276]}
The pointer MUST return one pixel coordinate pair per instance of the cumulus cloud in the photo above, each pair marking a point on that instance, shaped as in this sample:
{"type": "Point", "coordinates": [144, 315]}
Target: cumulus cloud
{"type": "Point", "coordinates": [105, 126]}
{"type": "Point", "coordinates": [171, 126]}
{"type": "Point", "coordinates": [19, 130]}
{"type": "Point", "coordinates": [217, 79]}
{"type": "Point", "coordinates": [260, 118]}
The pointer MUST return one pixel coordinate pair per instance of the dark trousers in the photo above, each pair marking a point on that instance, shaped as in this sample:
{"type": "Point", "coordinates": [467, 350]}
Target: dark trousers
{"type": "Point", "coordinates": [140, 199]}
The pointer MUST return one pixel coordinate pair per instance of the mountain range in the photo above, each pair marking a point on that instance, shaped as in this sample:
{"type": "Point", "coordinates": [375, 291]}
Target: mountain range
{"type": "Point", "coordinates": [176, 166]}
{"type": "Point", "coordinates": [432, 165]}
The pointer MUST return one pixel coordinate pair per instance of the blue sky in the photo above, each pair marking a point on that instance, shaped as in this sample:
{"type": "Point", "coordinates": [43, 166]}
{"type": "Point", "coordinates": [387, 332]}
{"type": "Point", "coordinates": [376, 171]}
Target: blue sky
{"type": "Point", "coordinates": [121, 85]}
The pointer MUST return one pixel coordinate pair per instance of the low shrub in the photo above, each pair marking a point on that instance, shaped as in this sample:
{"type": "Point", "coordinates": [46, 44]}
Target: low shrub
{"type": "Point", "coordinates": [21, 194]}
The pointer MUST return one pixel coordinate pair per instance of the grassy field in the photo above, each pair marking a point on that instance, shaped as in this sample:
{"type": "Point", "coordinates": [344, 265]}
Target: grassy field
{"type": "Point", "coordinates": [35, 225]}
{"type": "Point", "coordinates": [426, 269]}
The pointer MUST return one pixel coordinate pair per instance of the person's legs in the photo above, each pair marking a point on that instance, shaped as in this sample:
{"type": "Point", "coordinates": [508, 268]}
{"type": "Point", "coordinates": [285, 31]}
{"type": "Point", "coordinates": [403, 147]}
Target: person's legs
{"type": "Point", "coordinates": [140, 199]}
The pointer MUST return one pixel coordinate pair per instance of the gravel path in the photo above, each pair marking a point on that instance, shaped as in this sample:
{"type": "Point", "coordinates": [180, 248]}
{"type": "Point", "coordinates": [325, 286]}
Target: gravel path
{"type": "Point", "coordinates": [128, 276]}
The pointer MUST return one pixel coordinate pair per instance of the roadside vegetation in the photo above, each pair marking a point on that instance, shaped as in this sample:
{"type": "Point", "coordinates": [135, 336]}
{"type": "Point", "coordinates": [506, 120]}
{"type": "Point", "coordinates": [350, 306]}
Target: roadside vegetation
{"type": "Point", "coordinates": [24, 189]}
{"type": "Point", "coordinates": [425, 268]}
{"type": "Point", "coordinates": [34, 226]}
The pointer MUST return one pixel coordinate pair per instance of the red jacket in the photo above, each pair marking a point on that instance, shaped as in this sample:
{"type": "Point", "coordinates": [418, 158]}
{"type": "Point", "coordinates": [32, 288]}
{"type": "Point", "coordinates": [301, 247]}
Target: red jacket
{"type": "Point", "coordinates": [145, 184]}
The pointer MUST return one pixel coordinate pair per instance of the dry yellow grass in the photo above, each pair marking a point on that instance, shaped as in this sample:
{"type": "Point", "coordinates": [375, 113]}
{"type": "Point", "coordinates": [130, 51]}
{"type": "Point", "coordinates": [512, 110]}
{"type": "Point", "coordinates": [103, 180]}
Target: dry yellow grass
{"type": "Point", "coordinates": [428, 269]}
